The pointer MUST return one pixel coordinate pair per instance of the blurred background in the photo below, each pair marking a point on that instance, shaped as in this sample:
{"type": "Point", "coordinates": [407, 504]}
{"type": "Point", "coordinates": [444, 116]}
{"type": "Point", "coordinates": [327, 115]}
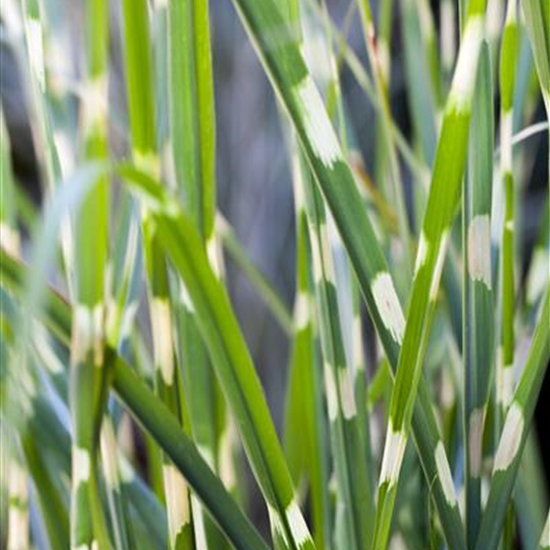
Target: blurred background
{"type": "Point", "coordinates": [254, 184]}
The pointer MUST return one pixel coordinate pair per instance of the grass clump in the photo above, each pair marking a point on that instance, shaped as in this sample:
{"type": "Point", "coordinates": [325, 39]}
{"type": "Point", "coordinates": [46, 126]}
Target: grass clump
{"type": "Point", "coordinates": [130, 399]}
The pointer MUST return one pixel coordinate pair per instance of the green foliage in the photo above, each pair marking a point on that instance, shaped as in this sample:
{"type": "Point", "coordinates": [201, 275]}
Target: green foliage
{"type": "Point", "coordinates": [89, 374]}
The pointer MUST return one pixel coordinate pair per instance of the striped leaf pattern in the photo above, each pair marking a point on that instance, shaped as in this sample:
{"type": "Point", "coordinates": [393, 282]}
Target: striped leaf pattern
{"type": "Point", "coordinates": [131, 406]}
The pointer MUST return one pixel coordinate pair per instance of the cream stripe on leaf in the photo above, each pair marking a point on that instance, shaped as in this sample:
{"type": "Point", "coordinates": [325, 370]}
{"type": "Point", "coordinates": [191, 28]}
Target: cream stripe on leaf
{"type": "Point", "coordinates": [544, 543]}
{"type": "Point", "coordinates": [18, 524]}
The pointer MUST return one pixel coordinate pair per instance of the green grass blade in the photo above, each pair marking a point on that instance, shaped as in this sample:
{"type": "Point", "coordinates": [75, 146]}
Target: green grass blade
{"type": "Point", "coordinates": [151, 413]}
{"type": "Point", "coordinates": [347, 441]}
{"type": "Point", "coordinates": [192, 124]}
{"type": "Point", "coordinates": [508, 62]}
{"type": "Point", "coordinates": [230, 358]}
{"type": "Point", "coordinates": [141, 106]}
{"type": "Point", "coordinates": [442, 202]}
{"type": "Point", "coordinates": [285, 65]}
{"type": "Point", "coordinates": [304, 415]}
{"type": "Point", "coordinates": [87, 377]}
{"type": "Point", "coordinates": [514, 435]}
{"type": "Point", "coordinates": [478, 319]}
{"type": "Point", "coordinates": [167, 432]}
{"type": "Point", "coordinates": [537, 17]}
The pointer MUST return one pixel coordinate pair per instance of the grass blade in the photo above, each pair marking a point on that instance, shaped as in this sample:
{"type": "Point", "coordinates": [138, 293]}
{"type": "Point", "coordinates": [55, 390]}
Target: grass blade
{"type": "Point", "coordinates": [442, 202]}
{"type": "Point", "coordinates": [230, 358]}
{"type": "Point", "coordinates": [154, 416]}
{"type": "Point", "coordinates": [192, 125]}
{"type": "Point", "coordinates": [141, 105]}
{"type": "Point", "coordinates": [478, 316]}
{"type": "Point", "coordinates": [304, 412]}
{"type": "Point", "coordinates": [87, 379]}
{"type": "Point", "coordinates": [184, 454]}
{"type": "Point", "coordinates": [514, 434]}
{"type": "Point", "coordinates": [537, 17]}
{"type": "Point", "coordinates": [508, 61]}
{"type": "Point", "coordinates": [285, 65]}
{"type": "Point", "coordinates": [347, 441]}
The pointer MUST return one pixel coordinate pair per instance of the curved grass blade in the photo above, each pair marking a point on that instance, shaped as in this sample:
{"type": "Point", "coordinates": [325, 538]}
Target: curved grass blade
{"type": "Point", "coordinates": [231, 359]}
{"type": "Point", "coordinates": [154, 416]}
